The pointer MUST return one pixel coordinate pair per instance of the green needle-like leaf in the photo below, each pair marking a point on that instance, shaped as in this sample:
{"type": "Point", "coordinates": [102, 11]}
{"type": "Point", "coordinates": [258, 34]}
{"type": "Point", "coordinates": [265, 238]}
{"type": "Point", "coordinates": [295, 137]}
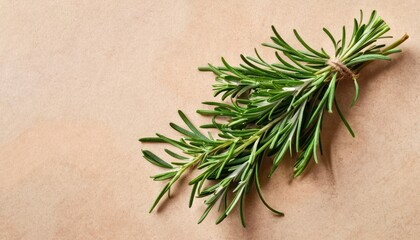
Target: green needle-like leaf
{"type": "Point", "coordinates": [149, 156]}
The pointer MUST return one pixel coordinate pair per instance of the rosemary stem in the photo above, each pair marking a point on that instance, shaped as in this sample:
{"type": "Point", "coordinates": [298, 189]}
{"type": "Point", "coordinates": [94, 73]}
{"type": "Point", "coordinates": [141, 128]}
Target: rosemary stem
{"type": "Point", "coordinates": [391, 46]}
{"type": "Point", "coordinates": [396, 43]}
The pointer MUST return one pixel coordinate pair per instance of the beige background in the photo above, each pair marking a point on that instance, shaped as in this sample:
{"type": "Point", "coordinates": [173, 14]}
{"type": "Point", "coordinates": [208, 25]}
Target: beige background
{"type": "Point", "coordinates": [81, 81]}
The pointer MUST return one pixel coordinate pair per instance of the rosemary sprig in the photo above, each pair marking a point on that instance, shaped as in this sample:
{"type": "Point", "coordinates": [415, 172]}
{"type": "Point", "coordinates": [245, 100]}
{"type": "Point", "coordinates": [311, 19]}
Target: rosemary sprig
{"type": "Point", "coordinates": [274, 109]}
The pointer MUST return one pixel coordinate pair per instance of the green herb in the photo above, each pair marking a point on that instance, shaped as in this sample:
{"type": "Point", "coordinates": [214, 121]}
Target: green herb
{"type": "Point", "coordinates": [275, 110]}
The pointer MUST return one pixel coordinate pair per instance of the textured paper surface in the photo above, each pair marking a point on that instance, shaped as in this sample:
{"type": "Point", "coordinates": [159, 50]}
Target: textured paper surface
{"type": "Point", "coordinates": [81, 81]}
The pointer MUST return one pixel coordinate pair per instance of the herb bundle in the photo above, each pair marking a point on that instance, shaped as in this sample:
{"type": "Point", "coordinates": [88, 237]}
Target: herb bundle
{"type": "Point", "coordinates": [275, 110]}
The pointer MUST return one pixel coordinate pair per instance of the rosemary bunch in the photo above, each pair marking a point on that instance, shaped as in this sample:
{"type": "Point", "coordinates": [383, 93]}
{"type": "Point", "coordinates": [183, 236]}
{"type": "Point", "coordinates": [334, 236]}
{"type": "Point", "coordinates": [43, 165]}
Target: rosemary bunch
{"type": "Point", "coordinates": [275, 110]}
